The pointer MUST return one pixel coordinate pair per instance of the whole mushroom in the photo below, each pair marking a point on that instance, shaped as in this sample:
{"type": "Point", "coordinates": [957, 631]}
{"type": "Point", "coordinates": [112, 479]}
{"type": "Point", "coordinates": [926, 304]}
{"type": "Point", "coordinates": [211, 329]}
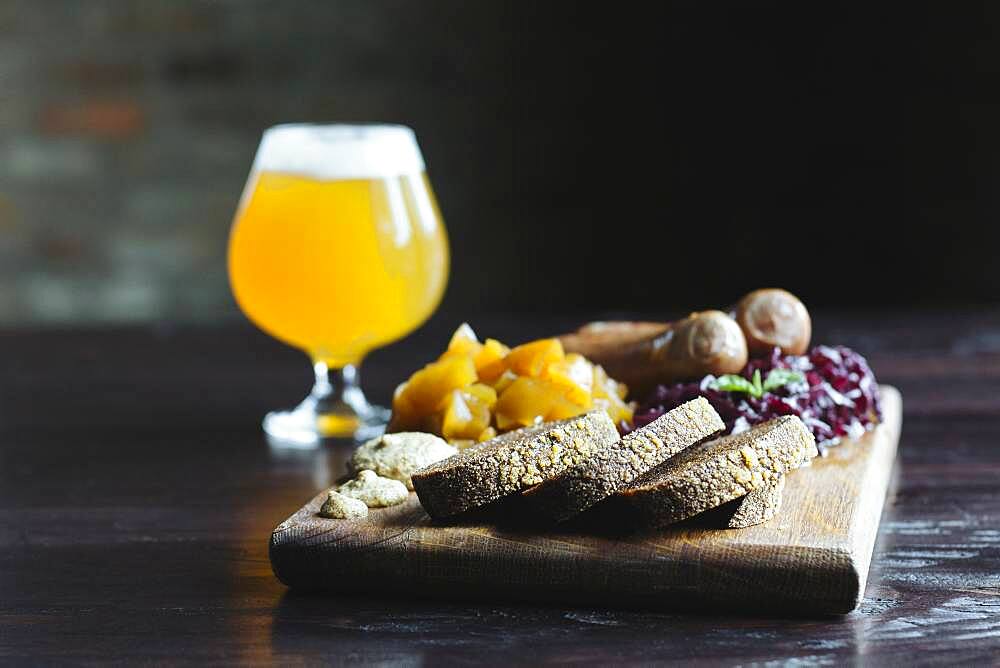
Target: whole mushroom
{"type": "Point", "coordinates": [771, 318]}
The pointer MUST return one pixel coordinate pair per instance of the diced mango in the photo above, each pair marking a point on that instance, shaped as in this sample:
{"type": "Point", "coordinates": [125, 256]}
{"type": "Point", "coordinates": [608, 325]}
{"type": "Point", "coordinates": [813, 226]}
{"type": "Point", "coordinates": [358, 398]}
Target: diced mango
{"type": "Point", "coordinates": [483, 393]}
{"type": "Point", "coordinates": [404, 415]}
{"type": "Point", "coordinates": [399, 396]}
{"type": "Point", "coordinates": [610, 395]}
{"type": "Point", "coordinates": [465, 416]}
{"type": "Point", "coordinates": [574, 376]}
{"type": "Point", "coordinates": [455, 416]}
{"type": "Point", "coordinates": [505, 423]}
{"type": "Point", "coordinates": [428, 388]}
{"type": "Point", "coordinates": [464, 339]}
{"type": "Point", "coordinates": [463, 342]}
{"type": "Point", "coordinates": [476, 390]}
{"type": "Point", "coordinates": [489, 360]}
{"type": "Point", "coordinates": [561, 408]}
{"type": "Point", "coordinates": [504, 381]}
{"type": "Point", "coordinates": [600, 381]}
{"type": "Point", "coordinates": [605, 386]}
{"type": "Point", "coordinates": [530, 400]}
{"type": "Point", "coordinates": [492, 372]}
{"type": "Point", "coordinates": [522, 403]}
{"type": "Point", "coordinates": [531, 359]}
{"type": "Point", "coordinates": [616, 409]}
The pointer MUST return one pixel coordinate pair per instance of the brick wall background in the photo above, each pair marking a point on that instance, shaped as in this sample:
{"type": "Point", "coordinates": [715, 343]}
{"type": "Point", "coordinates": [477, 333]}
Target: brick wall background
{"type": "Point", "coordinates": [633, 156]}
{"type": "Point", "coordinates": [127, 130]}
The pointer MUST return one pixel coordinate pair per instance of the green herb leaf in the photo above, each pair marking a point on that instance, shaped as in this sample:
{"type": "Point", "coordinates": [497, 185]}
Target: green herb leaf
{"type": "Point", "coordinates": [755, 388]}
{"type": "Point", "coordinates": [730, 382]}
{"type": "Point", "coordinates": [779, 377]}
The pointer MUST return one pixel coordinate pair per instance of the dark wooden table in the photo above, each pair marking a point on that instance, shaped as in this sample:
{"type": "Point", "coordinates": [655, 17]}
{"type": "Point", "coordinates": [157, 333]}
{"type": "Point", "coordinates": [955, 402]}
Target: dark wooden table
{"type": "Point", "coordinates": [137, 495]}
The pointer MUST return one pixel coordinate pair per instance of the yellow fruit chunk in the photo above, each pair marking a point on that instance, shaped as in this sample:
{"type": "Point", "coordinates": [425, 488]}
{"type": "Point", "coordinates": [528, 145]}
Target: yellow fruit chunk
{"type": "Point", "coordinates": [530, 359]}
{"type": "Point", "coordinates": [463, 342]}
{"type": "Point", "coordinates": [489, 360]}
{"type": "Point", "coordinates": [404, 415]}
{"type": "Point", "coordinates": [492, 372]}
{"type": "Point", "coordinates": [465, 417]}
{"type": "Point", "coordinates": [483, 393]}
{"type": "Point", "coordinates": [530, 400]}
{"type": "Point", "coordinates": [504, 381]}
{"type": "Point", "coordinates": [475, 391]}
{"type": "Point", "coordinates": [427, 389]}
{"type": "Point", "coordinates": [573, 376]}
{"type": "Point", "coordinates": [616, 409]}
{"type": "Point", "coordinates": [605, 386]}
{"type": "Point", "coordinates": [522, 403]}
{"type": "Point", "coordinates": [561, 408]}
{"type": "Point", "coordinates": [609, 395]}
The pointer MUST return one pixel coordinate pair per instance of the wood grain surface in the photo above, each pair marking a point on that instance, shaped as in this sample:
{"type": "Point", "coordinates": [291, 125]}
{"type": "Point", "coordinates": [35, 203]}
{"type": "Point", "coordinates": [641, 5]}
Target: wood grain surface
{"type": "Point", "coordinates": [137, 495]}
{"type": "Point", "coordinates": [812, 558]}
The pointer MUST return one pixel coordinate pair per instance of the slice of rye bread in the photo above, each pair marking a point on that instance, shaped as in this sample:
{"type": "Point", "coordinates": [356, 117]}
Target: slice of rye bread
{"type": "Point", "coordinates": [713, 473]}
{"type": "Point", "coordinates": [606, 471]}
{"type": "Point", "coordinates": [510, 463]}
{"type": "Point", "coordinates": [757, 507]}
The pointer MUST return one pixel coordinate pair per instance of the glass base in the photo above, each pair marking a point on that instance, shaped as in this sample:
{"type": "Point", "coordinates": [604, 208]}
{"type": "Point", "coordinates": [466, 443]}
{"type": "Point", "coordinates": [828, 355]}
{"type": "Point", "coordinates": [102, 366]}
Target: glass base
{"type": "Point", "coordinates": [305, 428]}
{"type": "Point", "coordinates": [335, 410]}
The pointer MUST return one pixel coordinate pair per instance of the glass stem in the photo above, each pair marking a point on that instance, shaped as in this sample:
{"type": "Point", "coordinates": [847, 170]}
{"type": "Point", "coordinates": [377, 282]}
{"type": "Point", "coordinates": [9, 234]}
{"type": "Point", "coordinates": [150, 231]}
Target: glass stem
{"type": "Point", "coordinates": [337, 390]}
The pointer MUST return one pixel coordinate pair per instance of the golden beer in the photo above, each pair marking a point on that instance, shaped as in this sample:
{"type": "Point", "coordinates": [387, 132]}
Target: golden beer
{"type": "Point", "coordinates": [338, 268]}
{"type": "Point", "coordinates": [338, 247]}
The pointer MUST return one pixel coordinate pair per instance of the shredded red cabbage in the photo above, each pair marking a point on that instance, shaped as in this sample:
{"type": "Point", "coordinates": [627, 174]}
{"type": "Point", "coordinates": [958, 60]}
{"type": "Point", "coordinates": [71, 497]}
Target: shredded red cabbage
{"type": "Point", "coordinates": [839, 396]}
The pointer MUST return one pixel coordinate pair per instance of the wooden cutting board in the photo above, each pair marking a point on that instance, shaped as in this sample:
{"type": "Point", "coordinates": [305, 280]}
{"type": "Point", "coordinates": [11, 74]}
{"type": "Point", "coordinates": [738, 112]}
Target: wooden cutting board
{"type": "Point", "coordinates": [812, 558]}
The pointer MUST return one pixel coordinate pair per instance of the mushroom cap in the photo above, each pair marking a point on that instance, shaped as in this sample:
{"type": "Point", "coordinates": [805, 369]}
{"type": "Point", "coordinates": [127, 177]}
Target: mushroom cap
{"type": "Point", "coordinates": [772, 317]}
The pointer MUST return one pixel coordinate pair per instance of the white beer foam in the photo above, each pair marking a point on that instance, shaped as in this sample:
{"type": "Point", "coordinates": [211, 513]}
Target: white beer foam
{"type": "Point", "coordinates": [339, 151]}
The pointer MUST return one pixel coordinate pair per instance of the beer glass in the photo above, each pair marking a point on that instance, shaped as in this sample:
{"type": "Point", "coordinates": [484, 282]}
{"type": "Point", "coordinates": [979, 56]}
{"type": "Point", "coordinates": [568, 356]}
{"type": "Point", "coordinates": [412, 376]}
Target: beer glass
{"type": "Point", "coordinates": [337, 248]}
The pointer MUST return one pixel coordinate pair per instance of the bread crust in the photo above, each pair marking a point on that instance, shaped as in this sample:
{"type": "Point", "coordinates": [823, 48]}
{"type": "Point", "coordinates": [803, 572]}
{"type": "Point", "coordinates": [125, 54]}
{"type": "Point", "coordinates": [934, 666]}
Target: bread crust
{"type": "Point", "coordinates": [719, 471]}
{"type": "Point", "coordinates": [757, 507]}
{"type": "Point", "coordinates": [606, 471]}
{"type": "Point", "coordinates": [510, 463]}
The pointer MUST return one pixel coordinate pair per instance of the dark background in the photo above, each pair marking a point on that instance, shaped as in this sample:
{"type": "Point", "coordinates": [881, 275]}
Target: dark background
{"type": "Point", "coordinates": [607, 158]}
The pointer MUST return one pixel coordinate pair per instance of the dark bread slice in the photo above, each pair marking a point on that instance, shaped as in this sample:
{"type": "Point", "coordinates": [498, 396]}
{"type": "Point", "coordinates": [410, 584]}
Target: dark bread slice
{"type": "Point", "coordinates": [606, 471]}
{"type": "Point", "coordinates": [757, 507]}
{"type": "Point", "coordinates": [708, 475]}
{"type": "Point", "coordinates": [510, 463]}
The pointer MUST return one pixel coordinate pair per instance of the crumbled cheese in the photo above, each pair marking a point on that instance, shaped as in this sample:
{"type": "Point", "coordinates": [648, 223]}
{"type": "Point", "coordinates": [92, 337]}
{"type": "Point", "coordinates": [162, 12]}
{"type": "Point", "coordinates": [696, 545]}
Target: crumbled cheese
{"type": "Point", "coordinates": [374, 490]}
{"type": "Point", "coordinates": [398, 456]}
{"type": "Point", "coordinates": [342, 507]}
